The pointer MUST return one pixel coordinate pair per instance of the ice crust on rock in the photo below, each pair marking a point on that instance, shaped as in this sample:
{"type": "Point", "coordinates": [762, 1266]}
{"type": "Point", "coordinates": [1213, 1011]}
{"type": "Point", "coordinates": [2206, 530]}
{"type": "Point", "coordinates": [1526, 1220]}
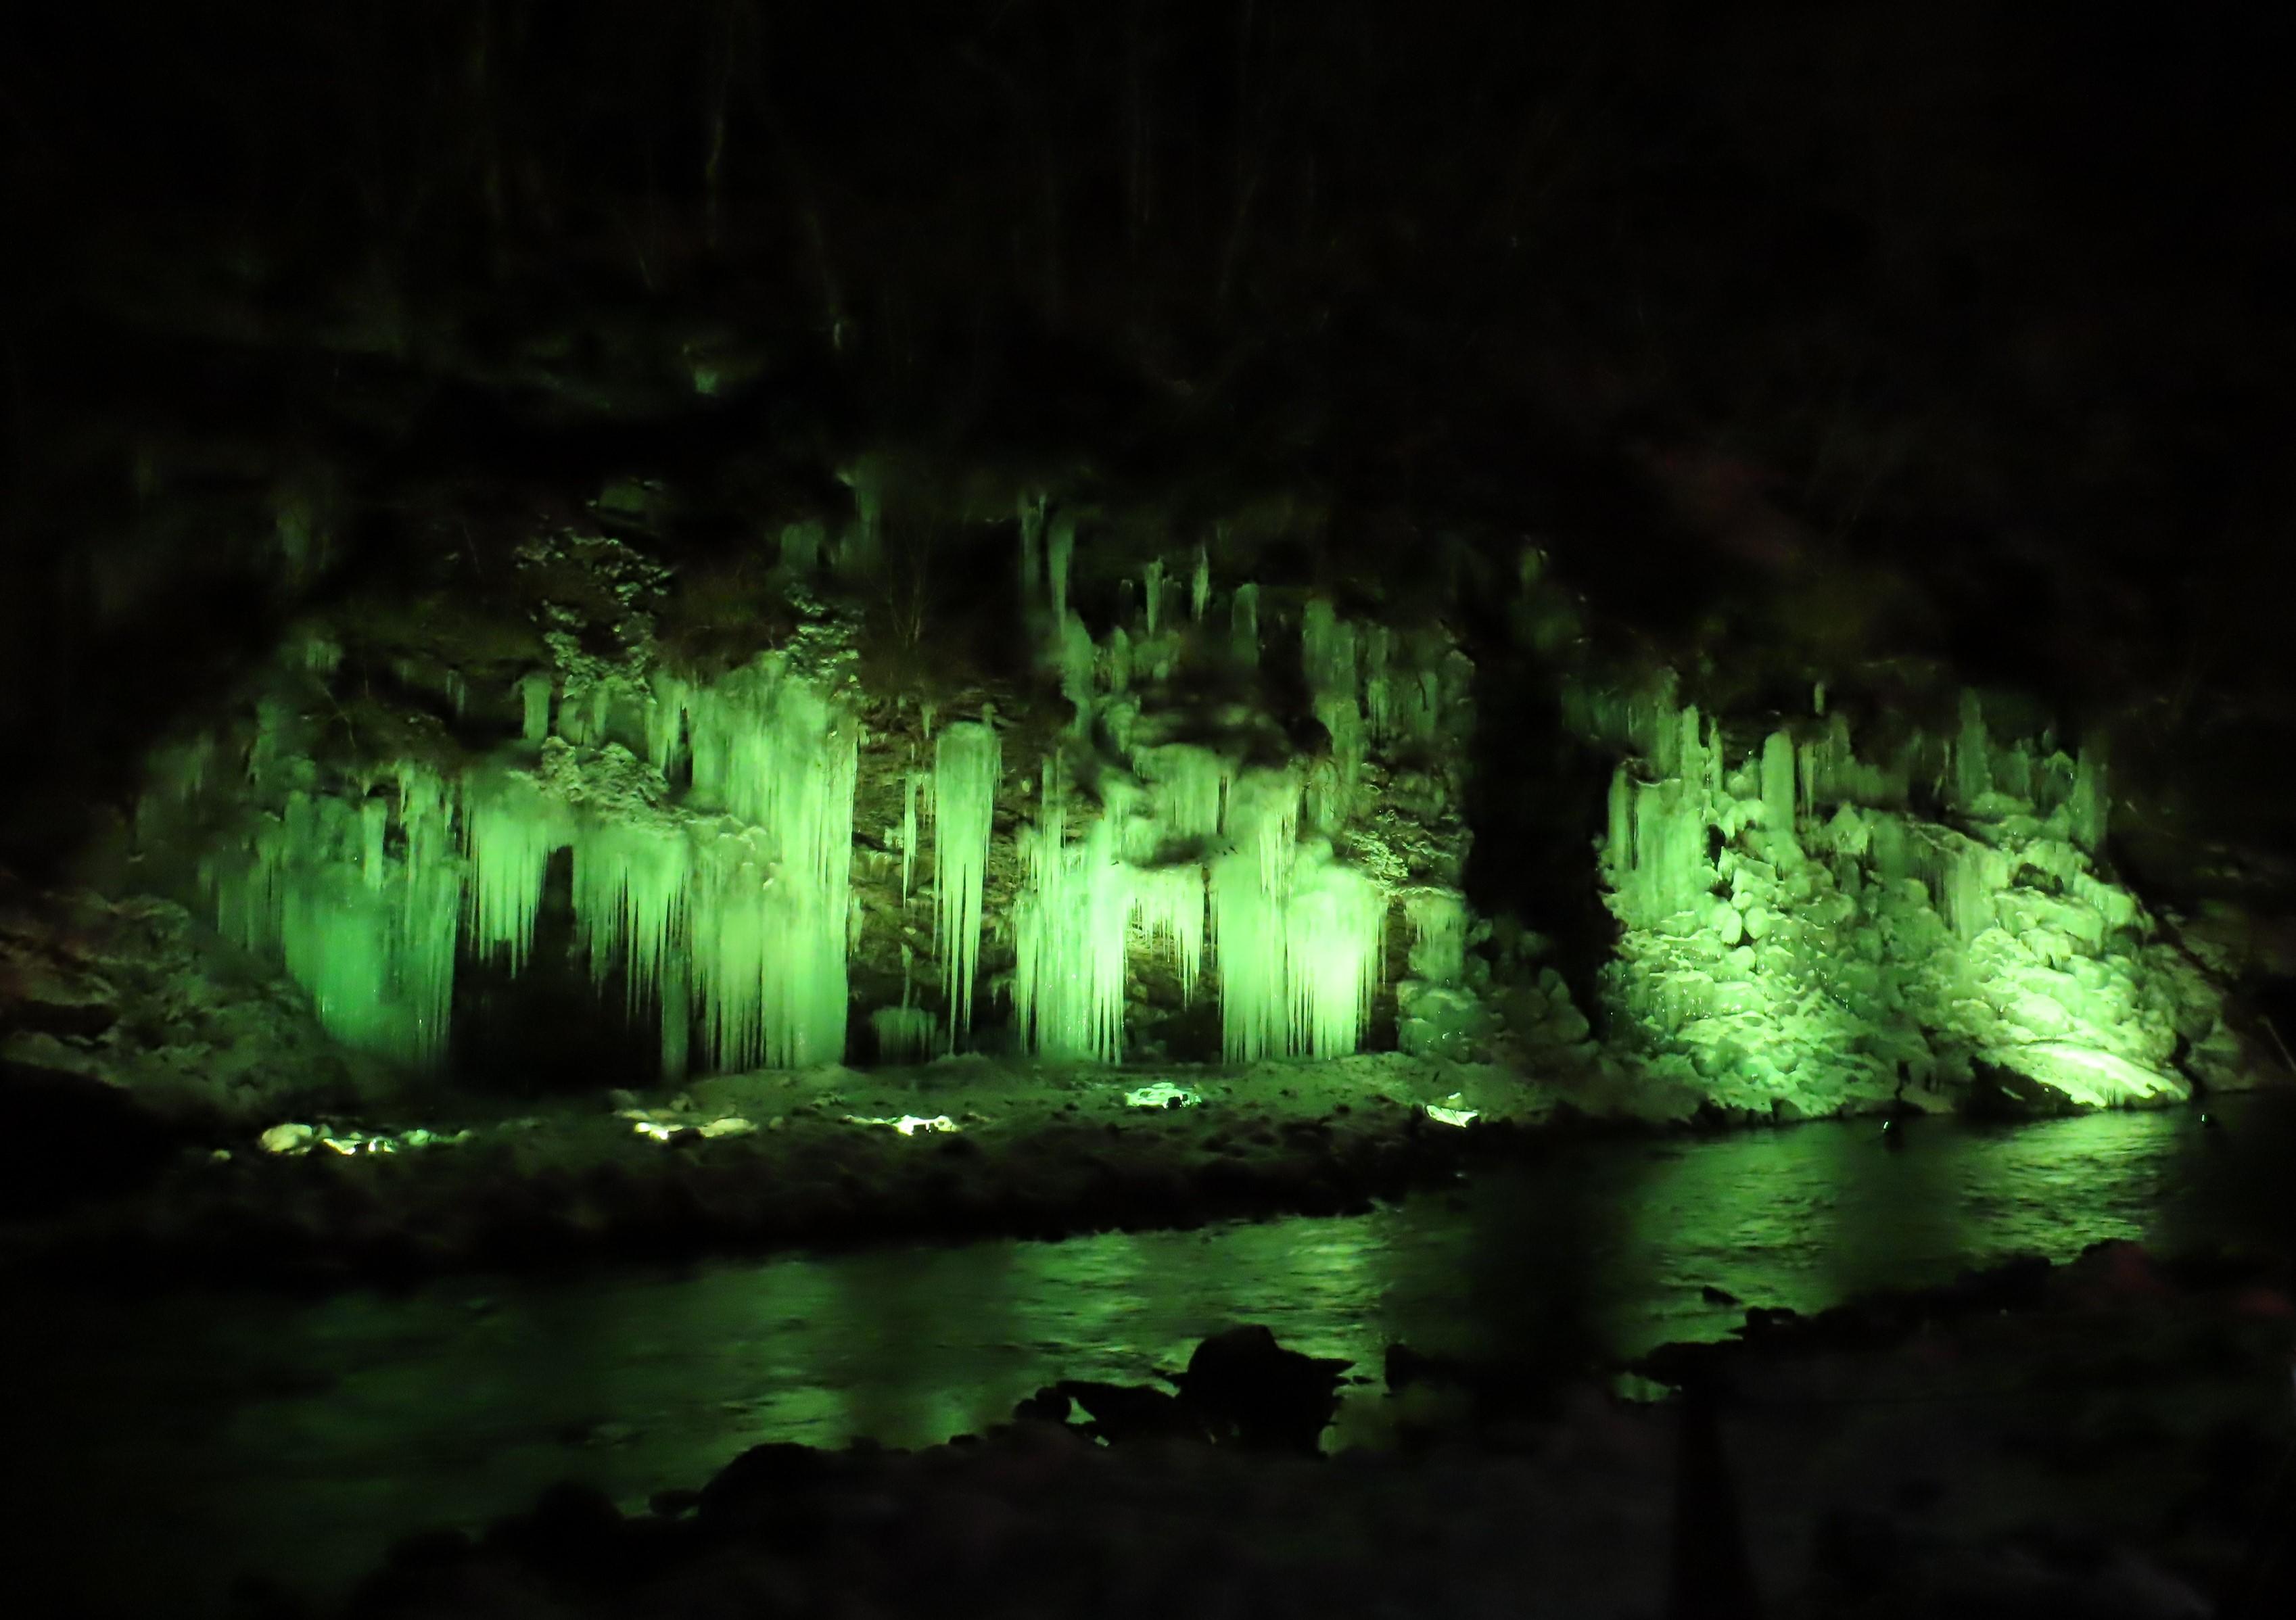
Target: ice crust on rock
{"type": "Point", "coordinates": [1807, 936]}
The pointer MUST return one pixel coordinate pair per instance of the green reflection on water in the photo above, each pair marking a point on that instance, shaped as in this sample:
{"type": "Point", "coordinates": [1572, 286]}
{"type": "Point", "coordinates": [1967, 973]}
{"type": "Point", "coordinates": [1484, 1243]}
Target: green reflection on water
{"type": "Point", "coordinates": [199, 1431]}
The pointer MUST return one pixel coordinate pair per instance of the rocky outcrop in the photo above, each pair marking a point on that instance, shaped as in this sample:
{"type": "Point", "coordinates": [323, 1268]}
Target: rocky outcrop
{"type": "Point", "coordinates": [126, 1033]}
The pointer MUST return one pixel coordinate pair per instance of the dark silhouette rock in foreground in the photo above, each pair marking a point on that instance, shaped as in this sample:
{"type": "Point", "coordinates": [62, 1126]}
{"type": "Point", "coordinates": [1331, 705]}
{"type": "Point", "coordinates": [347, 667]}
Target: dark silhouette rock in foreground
{"type": "Point", "coordinates": [1254, 1392]}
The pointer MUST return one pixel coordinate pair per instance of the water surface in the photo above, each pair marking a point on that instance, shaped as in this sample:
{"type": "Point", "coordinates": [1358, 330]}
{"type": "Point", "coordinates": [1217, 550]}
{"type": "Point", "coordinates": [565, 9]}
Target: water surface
{"type": "Point", "coordinates": [170, 1440]}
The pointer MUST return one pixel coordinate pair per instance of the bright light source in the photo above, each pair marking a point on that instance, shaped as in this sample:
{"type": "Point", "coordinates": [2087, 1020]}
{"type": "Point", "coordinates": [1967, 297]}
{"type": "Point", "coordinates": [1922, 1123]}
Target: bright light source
{"type": "Point", "coordinates": [1163, 1095]}
{"type": "Point", "coordinates": [907, 1125]}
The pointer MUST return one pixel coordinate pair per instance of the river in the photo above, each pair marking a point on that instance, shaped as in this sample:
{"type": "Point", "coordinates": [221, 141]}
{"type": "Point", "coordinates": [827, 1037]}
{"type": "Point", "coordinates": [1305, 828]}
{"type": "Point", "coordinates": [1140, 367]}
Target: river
{"type": "Point", "coordinates": [170, 1439]}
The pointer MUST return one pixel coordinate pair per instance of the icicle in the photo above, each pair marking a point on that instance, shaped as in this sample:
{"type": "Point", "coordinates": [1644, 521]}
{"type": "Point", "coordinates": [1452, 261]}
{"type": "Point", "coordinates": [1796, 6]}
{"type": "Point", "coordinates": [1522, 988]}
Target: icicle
{"type": "Point", "coordinates": [1184, 791]}
{"type": "Point", "coordinates": [2089, 808]}
{"type": "Point", "coordinates": [908, 832]}
{"type": "Point", "coordinates": [1250, 888]}
{"type": "Point", "coordinates": [1152, 600]}
{"type": "Point", "coordinates": [1200, 591]}
{"type": "Point", "coordinates": [1032, 531]}
{"type": "Point", "coordinates": [1438, 935]}
{"type": "Point", "coordinates": [1334, 929]}
{"type": "Point", "coordinates": [1078, 659]}
{"type": "Point", "coordinates": [667, 699]}
{"type": "Point", "coordinates": [1299, 935]}
{"type": "Point", "coordinates": [374, 826]}
{"type": "Point", "coordinates": [534, 694]}
{"type": "Point", "coordinates": [1619, 843]}
{"type": "Point", "coordinates": [1328, 660]}
{"type": "Point", "coordinates": [1671, 871]}
{"type": "Point", "coordinates": [1169, 902]}
{"type": "Point", "coordinates": [1119, 660]}
{"type": "Point", "coordinates": [371, 939]}
{"type": "Point", "coordinates": [801, 545]}
{"type": "Point", "coordinates": [510, 831]}
{"type": "Point", "coordinates": [771, 901]}
{"type": "Point", "coordinates": [1059, 555]}
{"type": "Point", "coordinates": [905, 1034]}
{"type": "Point", "coordinates": [968, 765]}
{"type": "Point", "coordinates": [1069, 926]}
{"type": "Point", "coordinates": [1972, 763]}
{"type": "Point", "coordinates": [1243, 631]}
{"type": "Point", "coordinates": [1778, 783]}
{"type": "Point", "coordinates": [1379, 705]}
{"type": "Point", "coordinates": [631, 881]}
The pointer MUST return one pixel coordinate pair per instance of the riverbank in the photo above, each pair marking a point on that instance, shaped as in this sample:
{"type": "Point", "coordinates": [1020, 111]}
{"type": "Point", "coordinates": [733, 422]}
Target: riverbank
{"type": "Point", "coordinates": [818, 1158]}
{"type": "Point", "coordinates": [830, 1158]}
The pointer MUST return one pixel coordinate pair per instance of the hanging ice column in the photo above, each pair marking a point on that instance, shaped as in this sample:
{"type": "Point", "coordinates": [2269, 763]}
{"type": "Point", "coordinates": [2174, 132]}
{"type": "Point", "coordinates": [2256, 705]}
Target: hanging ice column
{"type": "Point", "coordinates": [1069, 933]}
{"type": "Point", "coordinates": [1328, 657]}
{"type": "Point", "coordinates": [968, 762]}
{"type": "Point", "coordinates": [770, 898]}
{"type": "Point", "coordinates": [1299, 937]}
{"type": "Point", "coordinates": [511, 831]}
{"type": "Point", "coordinates": [1656, 855]}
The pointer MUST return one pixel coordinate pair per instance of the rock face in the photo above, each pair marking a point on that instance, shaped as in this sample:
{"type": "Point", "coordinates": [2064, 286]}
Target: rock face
{"type": "Point", "coordinates": [1187, 816]}
{"type": "Point", "coordinates": [123, 1036]}
{"type": "Point", "coordinates": [626, 818]}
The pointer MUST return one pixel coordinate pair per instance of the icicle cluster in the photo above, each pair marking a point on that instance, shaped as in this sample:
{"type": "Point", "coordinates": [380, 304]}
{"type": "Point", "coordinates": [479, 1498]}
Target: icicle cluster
{"type": "Point", "coordinates": [1796, 925]}
{"type": "Point", "coordinates": [731, 912]}
{"type": "Point", "coordinates": [1297, 935]}
{"type": "Point", "coordinates": [368, 932]}
{"type": "Point", "coordinates": [968, 765]}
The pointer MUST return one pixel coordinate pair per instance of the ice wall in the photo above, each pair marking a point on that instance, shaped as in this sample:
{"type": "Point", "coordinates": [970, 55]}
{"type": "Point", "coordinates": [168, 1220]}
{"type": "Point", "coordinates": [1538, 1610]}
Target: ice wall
{"type": "Point", "coordinates": [726, 905]}
{"type": "Point", "coordinates": [1802, 925]}
{"type": "Point", "coordinates": [1190, 827]}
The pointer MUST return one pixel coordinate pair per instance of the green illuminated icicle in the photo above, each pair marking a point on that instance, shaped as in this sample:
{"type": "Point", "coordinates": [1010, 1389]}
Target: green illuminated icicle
{"type": "Point", "coordinates": [968, 764]}
{"type": "Point", "coordinates": [1334, 927]}
{"type": "Point", "coordinates": [1438, 935]}
{"type": "Point", "coordinates": [1778, 783]}
{"type": "Point", "coordinates": [1069, 929]}
{"type": "Point", "coordinates": [1328, 659]}
{"type": "Point", "coordinates": [1243, 628]}
{"type": "Point", "coordinates": [905, 1034]}
{"type": "Point", "coordinates": [369, 936]}
{"type": "Point", "coordinates": [510, 831]}
{"type": "Point", "coordinates": [770, 900]}
{"type": "Point", "coordinates": [630, 884]}
{"type": "Point", "coordinates": [1185, 784]}
{"type": "Point", "coordinates": [1379, 692]}
{"type": "Point", "coordinates": [1299, 935]}
{"type": "Point", "coordinates": [1032, 546]}
{"type": "Point", "coordinates": [2088, 807]}
{"type": "Point", "coordinates": [909, 779]}
{"type": "Point", "coordinates": [534, 697]}
{"type": "Point", "coordinates": [1058, 555]}
{"type": "Point", "coordinates": [1169, 902]}
{"type": "Point", "coordinates": [668, 698]}
{"type": "Point", "coordinates": [1078, 659]}
{"type": "Point", "coordinates": [1973, 766]}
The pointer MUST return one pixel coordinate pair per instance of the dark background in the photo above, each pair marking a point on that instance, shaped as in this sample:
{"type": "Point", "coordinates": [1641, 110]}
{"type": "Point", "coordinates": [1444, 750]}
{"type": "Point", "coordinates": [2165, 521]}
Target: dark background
{"type": "Point", "coordinates": [1808, 339]}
